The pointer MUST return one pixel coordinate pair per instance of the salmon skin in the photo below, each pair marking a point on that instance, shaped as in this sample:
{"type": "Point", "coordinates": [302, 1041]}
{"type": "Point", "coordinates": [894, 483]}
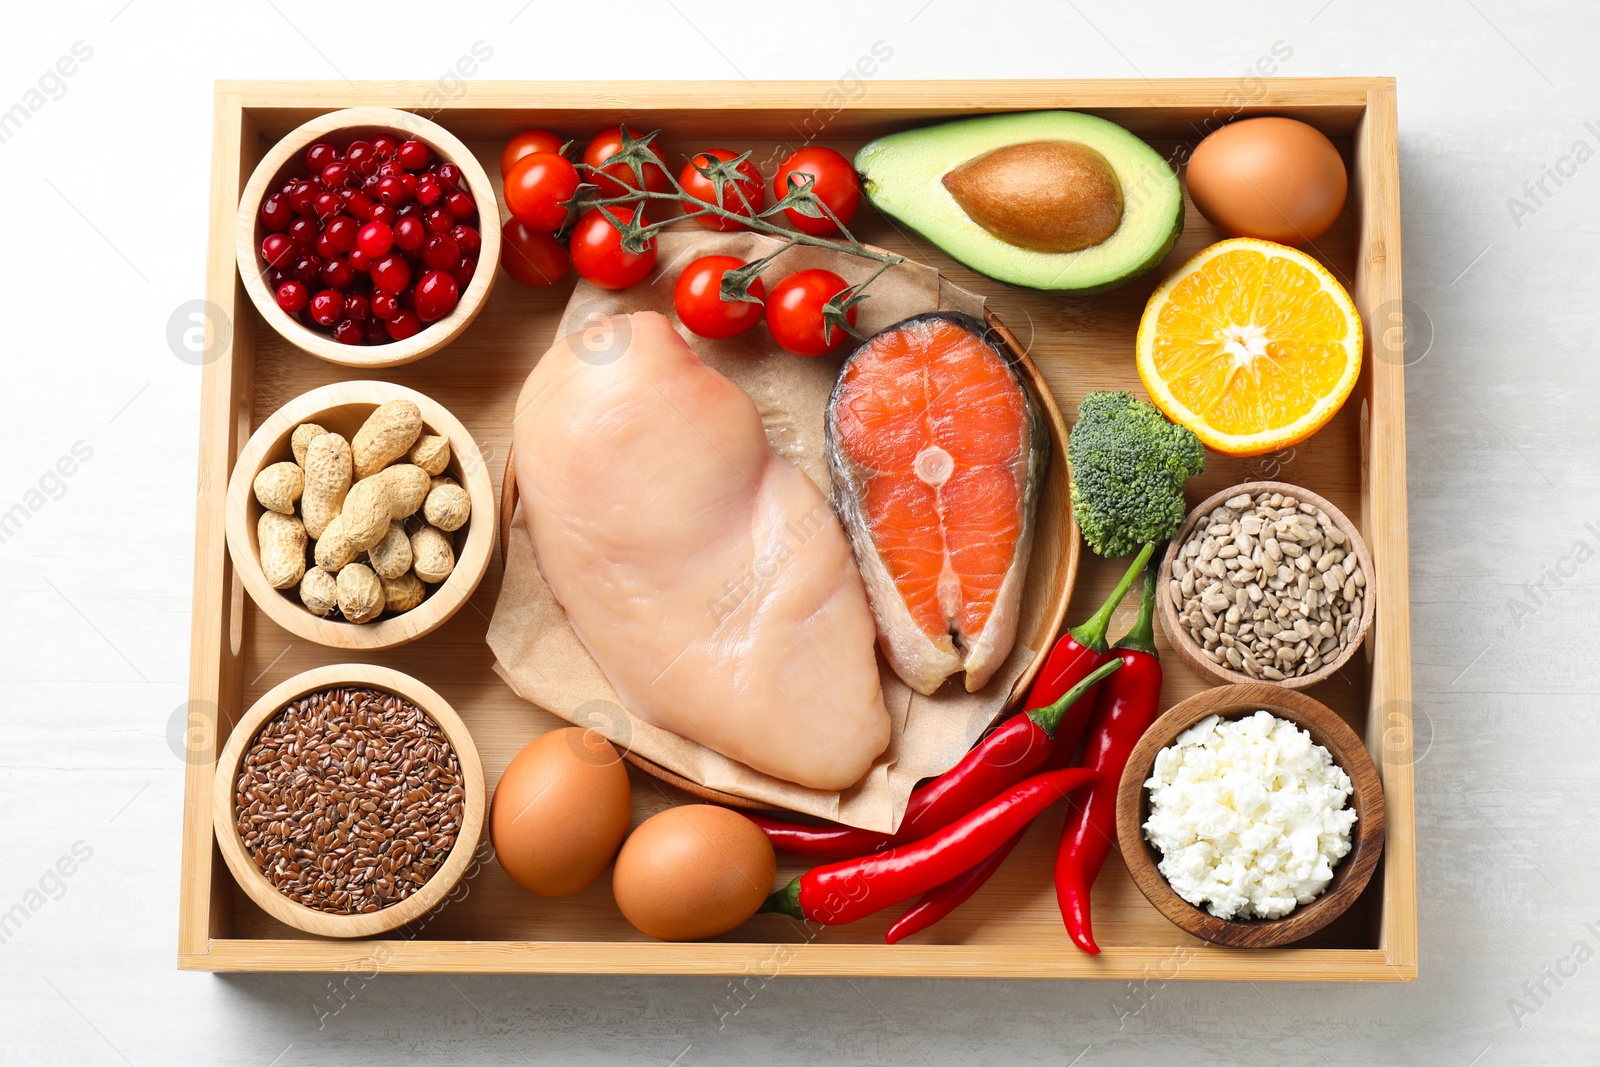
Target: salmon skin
{"type": "Point", "coordinates": [937, 449]}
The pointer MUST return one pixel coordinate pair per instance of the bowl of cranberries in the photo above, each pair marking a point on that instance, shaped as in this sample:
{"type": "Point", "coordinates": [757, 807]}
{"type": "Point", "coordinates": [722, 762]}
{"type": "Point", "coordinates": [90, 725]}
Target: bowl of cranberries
{"type": "Point", "coordinates": [360, 236]}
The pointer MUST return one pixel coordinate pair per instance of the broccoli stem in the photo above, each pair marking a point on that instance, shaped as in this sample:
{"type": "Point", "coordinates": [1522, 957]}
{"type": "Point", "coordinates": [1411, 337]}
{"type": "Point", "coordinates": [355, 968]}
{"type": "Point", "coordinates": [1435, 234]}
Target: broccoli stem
{"type": "Point", "coordinates": [1091, 633]}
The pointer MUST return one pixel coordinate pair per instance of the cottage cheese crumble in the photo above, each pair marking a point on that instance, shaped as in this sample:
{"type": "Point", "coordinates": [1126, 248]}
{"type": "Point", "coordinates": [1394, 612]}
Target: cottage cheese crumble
{"type": "Point", "coordinates": [1249, 815]}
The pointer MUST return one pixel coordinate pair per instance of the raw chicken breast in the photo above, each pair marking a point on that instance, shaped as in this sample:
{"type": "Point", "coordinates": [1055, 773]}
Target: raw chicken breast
{"type": "Point", "coordinates": [709, 578]}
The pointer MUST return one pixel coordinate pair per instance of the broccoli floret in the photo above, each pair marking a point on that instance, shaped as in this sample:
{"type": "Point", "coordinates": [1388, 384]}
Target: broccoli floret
{"type": "Point", "coordinates": [1128, 468]}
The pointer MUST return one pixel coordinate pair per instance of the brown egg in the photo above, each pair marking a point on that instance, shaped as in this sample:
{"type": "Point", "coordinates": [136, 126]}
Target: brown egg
{"type": "Point", "coordinates": [560, 811]}
{"type": "Point", "coordinates": [1273, 178]}
{"type": "Point", "coordinates": [693, 872]}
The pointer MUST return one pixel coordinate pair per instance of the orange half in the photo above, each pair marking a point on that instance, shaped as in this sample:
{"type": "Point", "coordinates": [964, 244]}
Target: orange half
{"type": "Point", "coordinates": [1252, 345]}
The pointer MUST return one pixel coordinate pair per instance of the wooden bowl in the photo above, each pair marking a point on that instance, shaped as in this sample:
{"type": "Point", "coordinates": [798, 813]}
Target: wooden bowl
{"type": "Point", "coordinates": [1189, 649]}
{"type": "Point", "coordinates": [1350, 877]}
{"type": "Point", "coordinates": [256, 884]}
{"type": "Point", "coordinates": [1054, 528]}
{"type": "Point", "coordinates": [285, 160]}
{"type": "Point", "coordinates": [341, 408]}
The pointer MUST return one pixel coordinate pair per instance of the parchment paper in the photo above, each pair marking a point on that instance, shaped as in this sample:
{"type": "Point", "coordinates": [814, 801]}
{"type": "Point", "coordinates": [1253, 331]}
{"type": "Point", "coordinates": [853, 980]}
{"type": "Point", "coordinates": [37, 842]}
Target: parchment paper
{"type": "Point", "coordinates": [540, 656]}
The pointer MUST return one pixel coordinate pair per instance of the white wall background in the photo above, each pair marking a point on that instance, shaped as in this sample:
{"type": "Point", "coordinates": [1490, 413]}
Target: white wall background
{"type": "Point", "coordinates": [104, 214]}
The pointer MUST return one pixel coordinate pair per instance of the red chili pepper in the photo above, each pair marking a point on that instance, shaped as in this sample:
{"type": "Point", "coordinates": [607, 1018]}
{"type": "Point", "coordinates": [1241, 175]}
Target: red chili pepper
{"type": "Point", "coordinates": [843, 892]}
{"type": "Point", "coordinates": [1011, 752]}
{"type": "Point", "coordinates": [941, 900]}
{"type": "Point", "coordinates": [1127, 705]}
{"type": "Point", "coordinates": [1079, 651]}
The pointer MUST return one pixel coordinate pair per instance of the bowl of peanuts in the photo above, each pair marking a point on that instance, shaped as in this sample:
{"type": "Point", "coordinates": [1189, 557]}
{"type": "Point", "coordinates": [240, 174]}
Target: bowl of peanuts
{"type": "Point", "coordinates": [1266, 582]}
{"type": "Point", "coordinates": [360, 515]}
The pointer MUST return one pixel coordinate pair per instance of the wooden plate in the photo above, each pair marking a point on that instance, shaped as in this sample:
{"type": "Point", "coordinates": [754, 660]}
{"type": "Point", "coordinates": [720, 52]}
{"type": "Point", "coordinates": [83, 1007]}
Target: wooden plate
{"type": "Point", "coordinates": [342, 408]}
{"type": "Point", "coordinates": [1055, 552]}
{"type": "Point", "coordinates": [1350, 877]}
{"type": "Point", "coordinates": [243, 866]}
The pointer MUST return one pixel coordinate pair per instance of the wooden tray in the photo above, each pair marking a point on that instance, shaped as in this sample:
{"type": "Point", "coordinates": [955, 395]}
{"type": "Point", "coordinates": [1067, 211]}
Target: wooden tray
{"type": "Point", "coordinates": [1011, 929]}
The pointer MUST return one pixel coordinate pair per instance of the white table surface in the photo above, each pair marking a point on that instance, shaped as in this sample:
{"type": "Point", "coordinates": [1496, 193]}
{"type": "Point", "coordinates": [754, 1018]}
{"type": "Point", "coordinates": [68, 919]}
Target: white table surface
{"type": "Point", "coordinates": [104, 235]}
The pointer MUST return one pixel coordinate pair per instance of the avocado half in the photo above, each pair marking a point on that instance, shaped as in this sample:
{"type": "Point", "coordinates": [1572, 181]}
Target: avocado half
{"type": "Point", "coordinates": [903, 174]}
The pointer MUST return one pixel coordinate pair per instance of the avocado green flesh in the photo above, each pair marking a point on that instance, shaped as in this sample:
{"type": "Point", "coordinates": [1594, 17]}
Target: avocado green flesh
{"type": "Point", "coordinates": [902, 175]}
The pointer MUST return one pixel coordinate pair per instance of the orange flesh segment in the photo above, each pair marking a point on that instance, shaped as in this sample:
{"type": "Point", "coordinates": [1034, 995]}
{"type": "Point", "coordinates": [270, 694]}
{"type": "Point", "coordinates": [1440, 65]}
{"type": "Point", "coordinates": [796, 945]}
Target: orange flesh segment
{"type": "Point", "coordinates": [1250, 341]}
{"type": "Point", "coordinates": [948, 546]}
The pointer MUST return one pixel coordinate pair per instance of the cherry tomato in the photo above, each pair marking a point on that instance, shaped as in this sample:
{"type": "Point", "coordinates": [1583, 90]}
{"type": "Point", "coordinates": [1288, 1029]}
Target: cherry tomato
{"type": "Point", "coordinates": [618, 178]}
{"type": "Point", "coordinates": [598, 255]}
{"type": "Point", "coordinates": [697, 297]}
{"type": "Point", "coordinates": [794, 313]}
{"type": "Point", "coordinates": [527, 143]}
{"type": "Point", "coordinates": [536, 191]}
{"type": "Point", "coordinates": [532, 257]}
{"type": "Point", "coordinates": [834, 183]}
{"type": "Point", "coordinates": [700, 187]}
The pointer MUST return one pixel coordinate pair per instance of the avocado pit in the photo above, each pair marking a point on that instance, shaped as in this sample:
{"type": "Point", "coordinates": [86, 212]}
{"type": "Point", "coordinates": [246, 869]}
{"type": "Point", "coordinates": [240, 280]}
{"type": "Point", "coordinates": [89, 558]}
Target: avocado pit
{"type": "Point", "coordinates": [1045, 196]}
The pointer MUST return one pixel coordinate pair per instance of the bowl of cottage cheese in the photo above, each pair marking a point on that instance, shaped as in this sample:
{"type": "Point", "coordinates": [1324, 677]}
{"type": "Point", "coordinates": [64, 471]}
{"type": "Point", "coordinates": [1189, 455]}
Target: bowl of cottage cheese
{"type": "Point", "coordinates": [1250, 815]}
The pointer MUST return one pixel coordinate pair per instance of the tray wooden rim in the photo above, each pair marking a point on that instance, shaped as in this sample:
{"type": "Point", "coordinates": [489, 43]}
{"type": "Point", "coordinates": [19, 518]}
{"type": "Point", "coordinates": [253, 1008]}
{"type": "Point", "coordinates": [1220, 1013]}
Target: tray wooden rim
{"type": "Point", "coordinates": [1360, 109]}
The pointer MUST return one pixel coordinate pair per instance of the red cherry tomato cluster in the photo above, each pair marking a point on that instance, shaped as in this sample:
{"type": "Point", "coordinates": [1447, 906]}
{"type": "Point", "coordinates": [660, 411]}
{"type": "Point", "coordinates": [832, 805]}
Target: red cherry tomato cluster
{"type": "Point", "coordinates": [540, 184]}
{"type": "Point", "coordinates": [374, 243]}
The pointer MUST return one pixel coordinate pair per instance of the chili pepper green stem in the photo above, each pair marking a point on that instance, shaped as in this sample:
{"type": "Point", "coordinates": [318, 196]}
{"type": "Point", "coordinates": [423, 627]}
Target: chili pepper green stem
{"type": "Point", "coordinates": [1142, 638]}
{"type": "Point", "coordinates": [1049, 717]}
{"type": "Point", "coordinates": [785, 901]}
{"type": "Point", "coordinates": [1091, 633]}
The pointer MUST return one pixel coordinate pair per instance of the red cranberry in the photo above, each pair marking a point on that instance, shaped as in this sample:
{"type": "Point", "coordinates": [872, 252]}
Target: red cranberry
{"type": "Point", "coordinates": [369, 184]}
{"type": "Point", "coordinates": [277, 278]}
{"type": "Point", "coordinates": [303, 232]}
{"type": "Point", "coordinates": [362, 159]}
{"type": "Point", "coordinates": [409, 234]}
{"type": "Point", "coordinates": [293, 297]}
{"type": "Point", "coordinates": [408, 209]}
{"type": "Point", "coordinates": [385, 146]}
{"type": "Point", "coordinates": [441, 252]}
{"type": "Point", "coordinates": [428, 192]}
{"type": "Point", "coordinates": [301, 196]}
{"type": "Point", "coordinates": [438, 220]}
{"type": "Point", "coordinates": [391, 273]}
{"type": "Point", "coordinates": [390, 169]}
{"type": "Point", "coordinates": [375, 239]}
{"type": "Point", "coordinates": [288, 187]}
{"type": "Point", "coordinates": [377, 331]}
{"type": "Point", "coordinates": [355, 307]}
{"type": "Point", "coordinates": [320, 155]}
{"type": "Point", "coordinates": [308, 268]}
{"type": "Point", "coordinates": [436, 296]}
{"type": "Point", "coordinates": [336, 175]}
{"type": "Point", "coordinates": [471, 244]}
{"type": "Point", "coordinates": [409, 181]}
{"type": "Point", "coordinates": [325, 247]}
{"type": "Point", "coordinates": [341, 230]}
{"type": "Point", "coordinates": [349, 332]}
{"type": "Point", "coordinates": [448, 175]}
{"type": "Point", "coordinates": [326, 204]}
{"type": "Point", "coordinates": [359, 261]}
{"type": "Point", "coordinates": [404, 324]}
{"type": "Point", "coordinates": [326, 307]}
{"type": "Point", "coordinates": [413, 155]}
{"type": "Point", "coordinates": [391, 190]}
{"type": "Point", "coordinates": [462, 272]}
{"type": "Point", "coordinates": [277, 249]}
{"type": "Point", "coordinates": [461, 206]}
{"type": "Point", "coordinates": [276, 214]}
{"type": "Point", "coordinates": [359, 205]}
{"type": "Point", "coordinates": [384, 305]}
{"type": "Point", "coordinates": [339, 274]}
{"type": "Point", "coordinates": [383, 213]}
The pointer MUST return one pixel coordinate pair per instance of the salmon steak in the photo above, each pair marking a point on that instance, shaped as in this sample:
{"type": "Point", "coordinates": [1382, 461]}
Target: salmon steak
{"type": "Point", "coordinates": [937, 449]}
